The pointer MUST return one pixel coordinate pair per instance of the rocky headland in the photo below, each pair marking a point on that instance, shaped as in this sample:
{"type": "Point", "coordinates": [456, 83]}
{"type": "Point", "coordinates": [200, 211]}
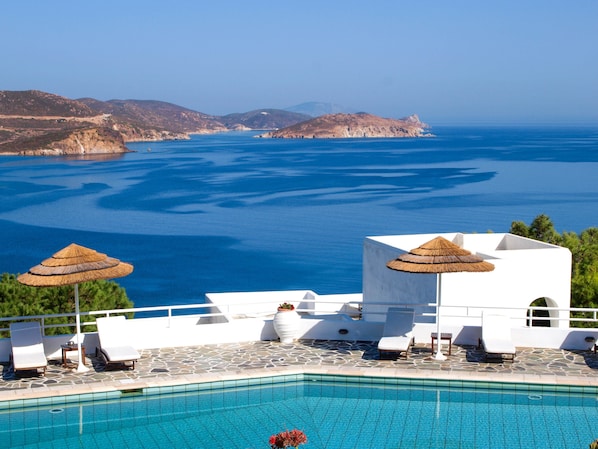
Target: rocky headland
{"type": "Point", "coordinates": [37, 123]}
{"type": "Point", "coordinates": [359, 125]}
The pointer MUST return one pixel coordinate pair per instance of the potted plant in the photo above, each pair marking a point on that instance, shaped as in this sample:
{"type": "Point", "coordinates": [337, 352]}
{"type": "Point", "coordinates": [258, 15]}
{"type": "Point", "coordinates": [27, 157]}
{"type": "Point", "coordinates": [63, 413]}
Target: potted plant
{"type": "Point", "coordinates": [286, 322]}
{"type": "Point", "coordinates": [288, 438]}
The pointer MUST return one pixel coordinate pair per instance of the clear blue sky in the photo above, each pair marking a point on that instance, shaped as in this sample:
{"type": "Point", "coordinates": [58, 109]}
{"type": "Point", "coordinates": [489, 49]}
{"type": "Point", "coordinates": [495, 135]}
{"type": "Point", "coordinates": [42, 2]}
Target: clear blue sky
{"type": "Point", "coordinates": [448, 61]}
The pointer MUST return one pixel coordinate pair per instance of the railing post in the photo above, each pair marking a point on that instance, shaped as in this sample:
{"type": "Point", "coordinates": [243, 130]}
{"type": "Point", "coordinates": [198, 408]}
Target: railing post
{"type": "Point", "coordinates": [169, 316]}
{"type": "Point", "coordinates": [530, 315]}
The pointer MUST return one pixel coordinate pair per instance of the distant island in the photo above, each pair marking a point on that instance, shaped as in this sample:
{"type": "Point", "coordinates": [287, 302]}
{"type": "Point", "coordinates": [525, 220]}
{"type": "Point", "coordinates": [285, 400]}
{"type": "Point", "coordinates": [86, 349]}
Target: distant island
{"type": "Point", "coordinates": [359, 125]}
{"type": "Point", "coordinates": [36, 123]}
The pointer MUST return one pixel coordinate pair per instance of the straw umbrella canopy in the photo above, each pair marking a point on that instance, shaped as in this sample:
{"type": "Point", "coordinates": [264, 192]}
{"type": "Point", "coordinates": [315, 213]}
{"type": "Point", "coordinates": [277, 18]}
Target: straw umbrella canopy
{"type": "Point", "coordinates": [438, 256]}
{"type": "Point", "coordinates": [71, 266]}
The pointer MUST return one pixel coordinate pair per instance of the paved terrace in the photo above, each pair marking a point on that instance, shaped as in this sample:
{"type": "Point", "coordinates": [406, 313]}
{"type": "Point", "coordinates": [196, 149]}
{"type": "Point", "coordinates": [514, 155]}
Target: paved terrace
{"type": "Point", "coordinates": [171, 366]}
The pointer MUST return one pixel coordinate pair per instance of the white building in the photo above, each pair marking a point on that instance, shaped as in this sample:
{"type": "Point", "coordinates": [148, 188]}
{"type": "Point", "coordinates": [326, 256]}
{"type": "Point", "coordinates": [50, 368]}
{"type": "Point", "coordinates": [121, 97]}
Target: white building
{"type": "Point", "coordinates": [525, 270]}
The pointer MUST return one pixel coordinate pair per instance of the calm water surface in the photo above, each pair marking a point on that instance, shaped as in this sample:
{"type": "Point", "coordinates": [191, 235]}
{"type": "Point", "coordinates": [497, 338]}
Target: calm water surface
{"type": "Point", "coordinates": [340, 414]}
{"type": "Point", "coordinates": [230, 212]}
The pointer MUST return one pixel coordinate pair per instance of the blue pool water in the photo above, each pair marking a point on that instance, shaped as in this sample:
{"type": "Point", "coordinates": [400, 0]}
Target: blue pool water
{"type": "Point", "coordinates": [335, 412]}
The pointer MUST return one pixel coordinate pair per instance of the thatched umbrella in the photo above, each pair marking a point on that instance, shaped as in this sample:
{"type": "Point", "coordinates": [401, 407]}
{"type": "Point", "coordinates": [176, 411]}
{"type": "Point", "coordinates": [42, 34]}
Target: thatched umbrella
{"type": "Point", "coordinates": [71, 266]}
{"type": "Point", "coordinates": [438, 256]}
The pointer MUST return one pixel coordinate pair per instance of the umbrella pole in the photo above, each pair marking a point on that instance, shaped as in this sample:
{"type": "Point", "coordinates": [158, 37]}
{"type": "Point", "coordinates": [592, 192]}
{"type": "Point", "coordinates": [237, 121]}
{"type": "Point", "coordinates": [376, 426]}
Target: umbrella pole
{"type": "Point", "coordinates": [439, 355]}
{"type": "Point", "coordinates": [81, 368]}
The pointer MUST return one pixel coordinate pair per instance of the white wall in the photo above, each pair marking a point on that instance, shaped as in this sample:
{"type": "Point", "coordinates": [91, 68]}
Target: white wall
{"type": "Point", "coordinates": [150, 333]}
{"type": "Point", "coordinates": [524, 271]}
{"type": "Point", "coordinates": [263, 304]}
{"type": "Point", "coordinates": [381, 284]}
{"type": "Point", "coordinates": [257, 304]}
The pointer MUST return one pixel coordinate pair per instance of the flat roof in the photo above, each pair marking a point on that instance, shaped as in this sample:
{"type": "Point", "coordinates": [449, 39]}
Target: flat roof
{"type": "Point", "coordinates": [493, 244]}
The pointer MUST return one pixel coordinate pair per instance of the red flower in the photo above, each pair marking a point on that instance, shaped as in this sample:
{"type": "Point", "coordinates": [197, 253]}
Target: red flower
{"type": "Point", "coordinates": [288, 438]}
{"type": "Point", "coordinates": [286, 306]}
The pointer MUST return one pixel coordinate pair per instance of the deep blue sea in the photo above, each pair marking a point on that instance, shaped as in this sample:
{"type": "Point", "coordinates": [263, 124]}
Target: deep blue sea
{"type": "Point", "coordinates": [231, 212]}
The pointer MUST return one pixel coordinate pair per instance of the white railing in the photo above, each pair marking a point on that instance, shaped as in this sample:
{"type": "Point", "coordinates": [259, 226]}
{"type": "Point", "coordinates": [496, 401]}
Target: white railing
{"type": "Point", "coordinates": [553, 314]}
{"type": "Point", "coordinates": [352, 309]}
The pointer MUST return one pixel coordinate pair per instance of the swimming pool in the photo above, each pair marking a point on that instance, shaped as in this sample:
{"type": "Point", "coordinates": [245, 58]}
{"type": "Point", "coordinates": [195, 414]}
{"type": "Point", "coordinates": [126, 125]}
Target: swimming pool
{"type": "Point", "coordinates": [335, 412]}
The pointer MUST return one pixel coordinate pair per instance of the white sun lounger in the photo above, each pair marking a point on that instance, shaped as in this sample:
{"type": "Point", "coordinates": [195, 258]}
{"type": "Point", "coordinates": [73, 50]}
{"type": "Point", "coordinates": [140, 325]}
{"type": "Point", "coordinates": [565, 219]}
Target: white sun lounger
{"type": "Point", "coordinates": [114, 338]}
{"type": "Point", "coordinates": [496, 336]}
{"type": "Point", "coordinates": [397, 336]}
{"type": "Point", "coordinates": [27, 347]}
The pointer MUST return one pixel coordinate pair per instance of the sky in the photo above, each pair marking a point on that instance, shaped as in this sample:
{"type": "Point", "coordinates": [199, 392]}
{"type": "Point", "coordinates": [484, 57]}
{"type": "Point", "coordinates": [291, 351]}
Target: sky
{"type": "Point", "coordinates": [457, 62]}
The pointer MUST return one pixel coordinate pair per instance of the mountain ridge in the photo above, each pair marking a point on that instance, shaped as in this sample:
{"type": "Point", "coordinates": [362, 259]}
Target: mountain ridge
{"type": "Point", "coordinates": [34, 122]}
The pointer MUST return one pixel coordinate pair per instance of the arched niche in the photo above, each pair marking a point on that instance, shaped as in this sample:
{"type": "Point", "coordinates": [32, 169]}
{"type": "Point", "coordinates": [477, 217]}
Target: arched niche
{"type": "Point", "coordinates": [541, 318]}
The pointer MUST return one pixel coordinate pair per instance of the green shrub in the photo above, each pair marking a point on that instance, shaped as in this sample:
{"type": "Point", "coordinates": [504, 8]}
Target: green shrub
{"type": "Point", "coordinates": [584, 252]}
{"type": "Point", "coordinates": [17, 299]}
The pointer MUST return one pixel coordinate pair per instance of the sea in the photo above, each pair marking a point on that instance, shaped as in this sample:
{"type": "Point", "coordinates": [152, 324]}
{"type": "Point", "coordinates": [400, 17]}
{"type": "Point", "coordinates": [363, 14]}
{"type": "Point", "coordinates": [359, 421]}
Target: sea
{"type": "Point", "coordinates": [232, 212]}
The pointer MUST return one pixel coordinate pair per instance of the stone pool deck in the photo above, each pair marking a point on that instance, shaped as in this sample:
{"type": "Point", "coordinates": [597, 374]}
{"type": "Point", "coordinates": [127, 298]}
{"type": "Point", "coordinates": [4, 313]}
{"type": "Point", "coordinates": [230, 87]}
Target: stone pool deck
{"type": "Point", "coordinates": [183, 365]}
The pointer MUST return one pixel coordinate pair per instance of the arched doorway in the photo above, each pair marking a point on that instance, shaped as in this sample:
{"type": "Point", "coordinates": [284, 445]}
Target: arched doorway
{"type": "Point", "coordinates": [539, 317]}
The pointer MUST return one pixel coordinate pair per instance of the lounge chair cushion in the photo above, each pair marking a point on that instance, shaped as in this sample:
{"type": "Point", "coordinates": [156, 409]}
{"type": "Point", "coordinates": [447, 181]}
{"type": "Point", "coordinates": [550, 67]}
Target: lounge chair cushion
{"type": "Point", "coordinates": [496, 335]}
{"type": "Point", "coordinates": [398, 330]}
{"type": "Point", "coordinates": [120, 353]}
{"type": "Point", "coordinates": [113, 336]}
{"type": "Point", "coordinates": [27, 346]}
{"type": "Point", "coordinates": [391, 344]}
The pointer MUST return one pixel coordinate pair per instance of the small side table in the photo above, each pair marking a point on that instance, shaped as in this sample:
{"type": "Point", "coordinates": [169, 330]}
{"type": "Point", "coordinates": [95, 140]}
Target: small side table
{"type": "Point", "coordinates": [443, 336]}
{"type": "Point", "coordinates": [68, 348]}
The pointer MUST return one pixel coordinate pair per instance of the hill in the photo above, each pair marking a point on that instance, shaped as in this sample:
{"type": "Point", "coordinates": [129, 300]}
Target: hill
{"type": "Point", "coordinates": [39, 123]}
{"type": "Point", "coordinates": [37, 103]}
{"type": "Point", "coordinates": [263, 119]}
{"type": "Point", "coordinates": [317, 108]}
{"type": "Point", "coordinates": [360, 125]}
{"type": "Point", "coordinates": [154, 120]}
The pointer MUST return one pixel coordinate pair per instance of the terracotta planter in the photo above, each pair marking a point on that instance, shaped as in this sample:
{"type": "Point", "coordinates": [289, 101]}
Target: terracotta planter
{"type": "Point", "coordinates": [287, 325]}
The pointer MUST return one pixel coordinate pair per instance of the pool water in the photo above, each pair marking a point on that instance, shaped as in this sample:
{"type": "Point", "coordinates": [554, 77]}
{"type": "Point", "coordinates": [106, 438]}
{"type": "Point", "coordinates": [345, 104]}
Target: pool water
{"type": "Point", "coordinates": [335, 412]}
